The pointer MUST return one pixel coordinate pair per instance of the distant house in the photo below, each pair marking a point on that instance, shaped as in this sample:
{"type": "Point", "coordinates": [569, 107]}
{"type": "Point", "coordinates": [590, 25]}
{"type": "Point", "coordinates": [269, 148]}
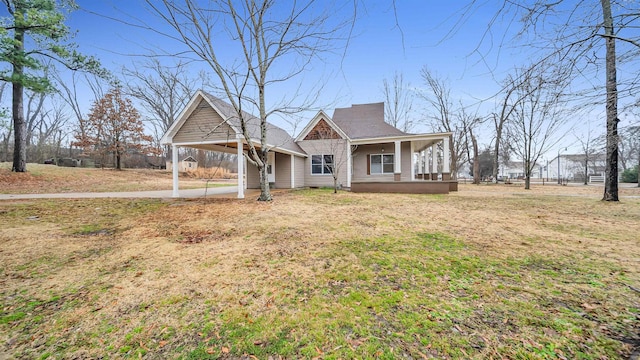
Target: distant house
{"type": "Point", "coordinates": [572, 166]}
{"type": "Point", "coordinates": [188, 164]}
{"type": "Point", "coordinates": [515, 170]}
{"type": "Point", "coordinates": [355, 144]}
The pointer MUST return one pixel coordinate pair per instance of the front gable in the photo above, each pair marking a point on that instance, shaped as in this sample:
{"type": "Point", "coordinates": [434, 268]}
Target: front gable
{"type": "Point", "coordinates": [321, 127]}
{"type": "Point", "coordinates": [322, 131]}
{"type": "Point", "coordinates": [204, 124]}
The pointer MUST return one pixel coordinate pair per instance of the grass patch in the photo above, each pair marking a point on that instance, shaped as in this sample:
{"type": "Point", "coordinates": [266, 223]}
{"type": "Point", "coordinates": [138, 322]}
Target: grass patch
{"type": "Point", "coordinates": [321, 275]}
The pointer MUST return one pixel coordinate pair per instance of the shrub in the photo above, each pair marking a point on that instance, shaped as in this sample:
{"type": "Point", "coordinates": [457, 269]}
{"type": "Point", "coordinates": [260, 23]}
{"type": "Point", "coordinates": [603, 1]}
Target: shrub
{"type": "Point", "coordinates": [630, 175]}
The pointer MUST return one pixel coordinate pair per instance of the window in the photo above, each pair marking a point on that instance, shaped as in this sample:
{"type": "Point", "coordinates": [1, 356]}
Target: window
{"type": "Point", "coordinates": [382, 164]}
{"type": "Point", "coordinates": [321, 164]}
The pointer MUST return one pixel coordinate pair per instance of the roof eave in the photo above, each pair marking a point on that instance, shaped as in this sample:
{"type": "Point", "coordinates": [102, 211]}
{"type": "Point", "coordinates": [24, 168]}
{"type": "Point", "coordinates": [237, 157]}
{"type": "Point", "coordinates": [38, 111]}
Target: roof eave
{"type": "Point", "coordinates": [414, 137]}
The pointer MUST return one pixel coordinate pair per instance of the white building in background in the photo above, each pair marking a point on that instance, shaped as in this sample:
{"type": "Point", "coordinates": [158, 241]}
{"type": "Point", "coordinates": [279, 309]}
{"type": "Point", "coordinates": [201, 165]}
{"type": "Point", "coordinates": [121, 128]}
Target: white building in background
{"type": "Point", "coordinates": [572, 167]}
{"type": "Point", "coordinates": [515, 170]}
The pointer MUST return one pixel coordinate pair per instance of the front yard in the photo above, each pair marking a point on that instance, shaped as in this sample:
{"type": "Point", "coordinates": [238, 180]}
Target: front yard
{"type": "Point", "coordinates": [484, 273]}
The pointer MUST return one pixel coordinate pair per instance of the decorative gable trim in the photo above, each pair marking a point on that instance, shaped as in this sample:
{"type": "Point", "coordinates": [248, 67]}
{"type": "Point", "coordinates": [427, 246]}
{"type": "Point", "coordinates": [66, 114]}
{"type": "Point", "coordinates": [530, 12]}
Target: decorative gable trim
{"type": "Point", "coordinates": [321, 116]}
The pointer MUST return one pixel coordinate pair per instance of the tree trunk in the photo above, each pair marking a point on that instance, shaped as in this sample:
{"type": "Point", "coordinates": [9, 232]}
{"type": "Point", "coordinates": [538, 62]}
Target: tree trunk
{"type": "Point", "coordinates": [586, 171]}
{"type": "Point", "coordinates": [611, 167]}
{"type": "Point", "coordinates": [496, 149]}
{"type": "Point", "coordinates": [476, 161]}
{"type": "Point", "coordinates": [19, 125]}
{"type": "Point", "coordinates": [527, 175]}
{"type": "Point", "coordinates": [118, 156]}
{"type": "Point", "coordinates": [265, 191]}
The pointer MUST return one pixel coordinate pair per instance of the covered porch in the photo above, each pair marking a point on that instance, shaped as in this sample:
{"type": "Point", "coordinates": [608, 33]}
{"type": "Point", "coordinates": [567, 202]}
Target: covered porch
{"type": "Point", "coordinates": [281, 165]}
{"type": "Point", "coordinates": [418, 164]}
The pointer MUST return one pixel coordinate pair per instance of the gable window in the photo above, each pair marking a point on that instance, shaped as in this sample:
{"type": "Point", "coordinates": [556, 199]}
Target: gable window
{"type": "Point", "coordinates": [321, 164]}
{"type": "Point", "coordinates": [381, 164]}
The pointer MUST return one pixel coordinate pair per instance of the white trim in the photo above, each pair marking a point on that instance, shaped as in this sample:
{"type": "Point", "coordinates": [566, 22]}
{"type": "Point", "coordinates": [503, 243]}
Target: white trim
{"type": "Point", "coordinates": [434, 159]}
{"type": "Point", "coordinates": [254, 141]}
{"type": "Point", "coordinates": [413, 163]}
{"type": "Point", "coordinates": [387, 139]}
{"type": "Point", "coordinates": [446, 156]}
{"type": "Point", "coordinates": [174, 170]}
{"type": "Point", "coordinates": [349, 164]}
{"type": "Point", "coordinates": [240, 161]}
{"type": "Point", "coordinates": [397, 161]}
{"type": "Point", "coordinates": [314, 121]}
{"type": "Point", "coordinates": [323, 164]}
{"type": "Point", "coordinates": [167, 138]}
{"type": "Point", "coordinates": [271, 161]}
{"type": "Point", "coordinates": [381, 164]}
{"type": "Point", "coordinates": [292, 170]}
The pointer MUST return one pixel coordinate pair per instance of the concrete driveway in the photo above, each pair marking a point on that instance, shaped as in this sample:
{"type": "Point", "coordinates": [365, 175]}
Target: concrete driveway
{"type": "Point", "coordinates": [161, 194]}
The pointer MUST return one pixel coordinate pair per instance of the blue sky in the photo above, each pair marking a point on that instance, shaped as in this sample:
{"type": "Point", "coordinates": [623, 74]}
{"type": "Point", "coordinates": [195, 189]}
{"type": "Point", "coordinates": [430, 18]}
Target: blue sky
{"type": "Point", "coordinates": [377, 49]}
{"type": "Point", "coordinates": [424, 33]}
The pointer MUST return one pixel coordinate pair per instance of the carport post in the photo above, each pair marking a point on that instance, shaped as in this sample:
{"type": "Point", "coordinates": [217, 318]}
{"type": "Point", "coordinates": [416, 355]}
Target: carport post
{"type": "Point", "coordinates": [240, 170]}
{"type": "Point", "coordinates": [174, 167]}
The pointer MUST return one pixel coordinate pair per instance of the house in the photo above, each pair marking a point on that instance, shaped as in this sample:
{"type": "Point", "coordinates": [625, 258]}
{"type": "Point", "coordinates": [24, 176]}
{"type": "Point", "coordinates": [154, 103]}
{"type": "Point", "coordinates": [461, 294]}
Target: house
{"type": "Point", "coordinates": [355, 145]}
{"type": "Point", "coordinates": [188, 164]}
{"type": "Point", "coordinates": [515, 170]}
{"type": "Point", "coordinates": [572, 167]}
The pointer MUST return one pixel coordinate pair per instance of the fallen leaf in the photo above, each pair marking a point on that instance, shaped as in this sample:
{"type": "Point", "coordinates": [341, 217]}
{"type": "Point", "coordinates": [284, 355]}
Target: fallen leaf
{"type": "Point", "coordinates": [225, 349]}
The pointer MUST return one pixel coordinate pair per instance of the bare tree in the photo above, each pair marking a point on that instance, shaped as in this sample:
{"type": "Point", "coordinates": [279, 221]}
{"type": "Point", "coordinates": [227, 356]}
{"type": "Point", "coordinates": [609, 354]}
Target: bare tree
{"type": "Point", "coordinates": [398, 98]}
{"type": "Point", "coordinates": [6, 125]}
{"type": "Point", "coordinates": [538, 114]}
{"type": "Point", "coordinates": [69, 91]}
{"type": "Point", "coordinates": [505, 109]}
{"type": "Point", "coordinates": [590, 150]}
{"type": "Point", "coordinates": [162, 91]}
{"type": "Point", "coordinates": [252, 46]}
{"type": "Point", "coordinates": [444, 117]}
{"type": "Point", "coordinates": [574, 33]}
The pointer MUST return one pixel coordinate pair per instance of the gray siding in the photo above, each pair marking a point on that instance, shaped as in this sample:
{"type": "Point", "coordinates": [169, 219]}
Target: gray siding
{"type": "Point", "coordinates": [299, 171]}
{"type": "Point", "coordinates": [405, 148]}
{"type": "Point", "coordinates": [253, 176]}
{"type": "Point", "coordinates": [202, 125]}
{"type": "Point", "coordinates": [335, 147]}
{"type": "Point", "coordinates": [360, 161]}
{"type": "Point", "coordinates": [283, 171]}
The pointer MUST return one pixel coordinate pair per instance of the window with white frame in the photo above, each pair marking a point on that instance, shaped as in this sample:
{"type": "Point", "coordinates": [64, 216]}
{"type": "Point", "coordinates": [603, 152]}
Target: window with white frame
{"type": "Point", "coordinates": [321, 164]}
{"type": "Point", "coordinates": [382, 164]}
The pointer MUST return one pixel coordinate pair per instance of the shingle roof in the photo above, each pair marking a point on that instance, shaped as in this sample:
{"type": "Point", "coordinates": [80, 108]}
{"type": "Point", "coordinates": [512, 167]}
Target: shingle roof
{"type": "Point", "coordinates": [275, 136]}
{"type": "Point", "coordinates": [364, 121]}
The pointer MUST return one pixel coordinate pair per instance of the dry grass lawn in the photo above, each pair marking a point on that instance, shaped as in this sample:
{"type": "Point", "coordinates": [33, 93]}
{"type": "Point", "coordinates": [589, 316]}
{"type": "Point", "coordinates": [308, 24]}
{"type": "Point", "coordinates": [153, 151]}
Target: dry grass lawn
{"type": "Point", "coordinates": [488, 272]}
{"type": "Point", "coordinates": [44, 179]}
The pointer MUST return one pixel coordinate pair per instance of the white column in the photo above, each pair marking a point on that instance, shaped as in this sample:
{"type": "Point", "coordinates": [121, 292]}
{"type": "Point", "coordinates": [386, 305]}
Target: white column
{"type": "Point", "coordinates": [420, 160]}
{"type": "Point", "coordinates": [446, 156]}
{"type": "Point", "coordinates": [293, 171]}
{"type": "Point", "coordinates": [413, 164]}
{"type": "Point", "coordinates": [174, 168]}
{"type": "Point", "coordinates": [434, 159]}
{"type": "Point", "coordinates": [398, 158]}
{"type": "Point", "coordinates": [240, 170]}
{"type": "Point", "coordinates": [349, 171]}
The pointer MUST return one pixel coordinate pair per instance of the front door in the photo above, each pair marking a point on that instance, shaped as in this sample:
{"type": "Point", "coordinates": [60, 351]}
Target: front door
{"type": "Point", "coordinates": [271, 167]}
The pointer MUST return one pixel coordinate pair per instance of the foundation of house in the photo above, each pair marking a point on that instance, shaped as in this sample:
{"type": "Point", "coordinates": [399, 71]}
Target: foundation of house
{"type": "Point", "coordinates": [406, 187]}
